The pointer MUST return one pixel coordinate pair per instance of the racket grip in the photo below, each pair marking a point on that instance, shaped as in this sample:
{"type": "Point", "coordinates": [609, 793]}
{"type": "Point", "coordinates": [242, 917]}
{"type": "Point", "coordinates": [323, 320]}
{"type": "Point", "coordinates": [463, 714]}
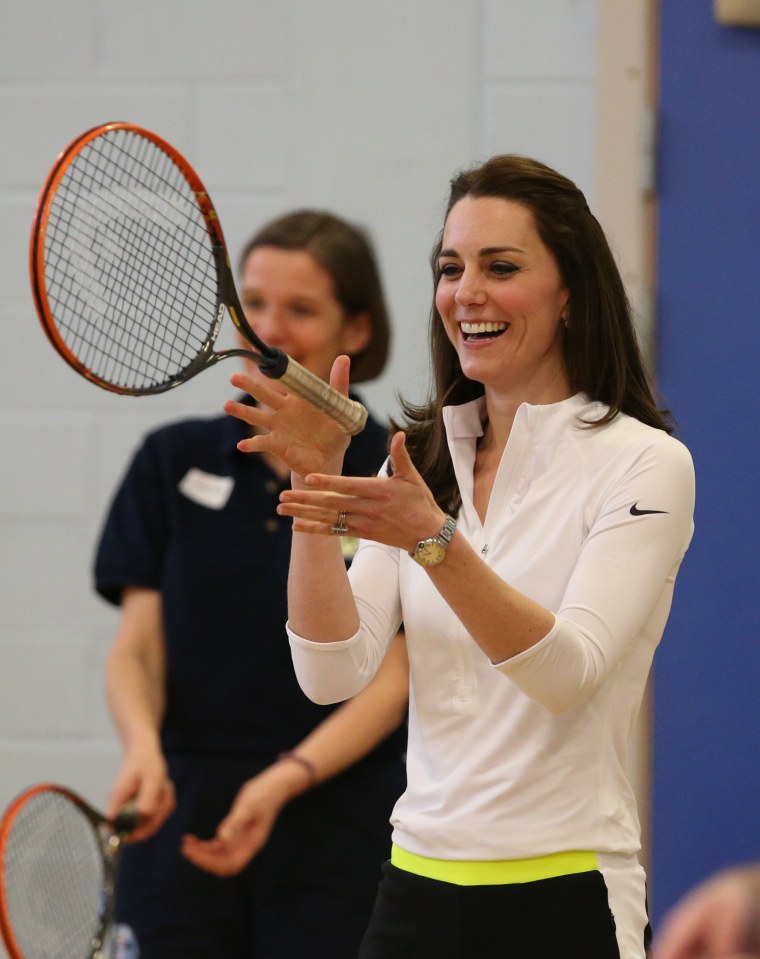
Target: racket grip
{"type": "Point", "coordinates": [347, 413]}
{"type": "Point", "coordinates": [127, 819]}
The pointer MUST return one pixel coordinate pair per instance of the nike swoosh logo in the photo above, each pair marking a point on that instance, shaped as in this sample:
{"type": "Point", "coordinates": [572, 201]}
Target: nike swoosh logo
{"type": "Point", "coordinates": [635, 511]}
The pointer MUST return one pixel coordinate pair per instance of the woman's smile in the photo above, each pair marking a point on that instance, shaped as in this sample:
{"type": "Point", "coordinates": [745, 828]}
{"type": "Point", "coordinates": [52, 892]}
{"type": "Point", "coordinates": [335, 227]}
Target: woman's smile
{"type": "Point", "coordinates": [502, 299]}
{"type": "Point", "coordinates": [479, 331]}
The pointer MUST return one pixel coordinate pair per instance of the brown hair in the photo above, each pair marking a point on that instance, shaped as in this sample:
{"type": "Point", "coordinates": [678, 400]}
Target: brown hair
{"type": "Point", "coordinates": [601, 353]}
{"type": "Point", "coordinates": [344, 250]}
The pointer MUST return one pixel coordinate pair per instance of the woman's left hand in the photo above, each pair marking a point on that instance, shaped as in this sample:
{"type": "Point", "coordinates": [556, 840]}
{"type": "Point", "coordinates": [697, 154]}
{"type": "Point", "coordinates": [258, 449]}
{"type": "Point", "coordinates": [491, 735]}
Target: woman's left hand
{"type": "Point", "coordinates": [398, 510]}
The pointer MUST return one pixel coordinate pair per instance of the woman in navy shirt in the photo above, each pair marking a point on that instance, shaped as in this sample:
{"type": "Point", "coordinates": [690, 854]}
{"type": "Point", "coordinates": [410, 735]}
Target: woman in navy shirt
{"type": "Point", "coordinates": [282, 803]}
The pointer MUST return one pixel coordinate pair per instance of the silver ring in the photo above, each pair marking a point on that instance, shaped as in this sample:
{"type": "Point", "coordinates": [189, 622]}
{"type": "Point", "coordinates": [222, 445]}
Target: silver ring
{"type": "Point", "coordinates": [340, 528]}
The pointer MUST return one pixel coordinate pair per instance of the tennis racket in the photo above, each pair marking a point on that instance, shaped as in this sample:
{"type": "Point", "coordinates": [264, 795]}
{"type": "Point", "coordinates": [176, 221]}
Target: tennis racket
{"type": "Point", "coordinates": [58, 865]}
{"type": "Point", "coordinates": [131, 276]}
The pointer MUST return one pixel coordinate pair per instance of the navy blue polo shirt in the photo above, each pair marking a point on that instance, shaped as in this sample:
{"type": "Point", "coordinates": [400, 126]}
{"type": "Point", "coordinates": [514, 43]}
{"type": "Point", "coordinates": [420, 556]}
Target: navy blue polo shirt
{"type": "Point", "coordinates": [196, 519]}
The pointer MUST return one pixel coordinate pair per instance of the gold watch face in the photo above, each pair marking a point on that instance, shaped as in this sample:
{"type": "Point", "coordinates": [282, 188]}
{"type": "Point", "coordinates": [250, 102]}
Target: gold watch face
{"type": "Point", "coordinates": [429, 553]}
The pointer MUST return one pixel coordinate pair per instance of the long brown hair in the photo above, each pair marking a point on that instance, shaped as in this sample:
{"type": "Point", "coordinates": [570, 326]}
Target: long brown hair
{"type": "Point", "coordinates": [345, 251]}
{"type": "Point", "coordinates": [601, 353]}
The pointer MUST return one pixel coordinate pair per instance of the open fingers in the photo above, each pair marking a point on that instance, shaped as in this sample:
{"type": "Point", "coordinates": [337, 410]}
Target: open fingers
{"type": "Point", "coordinates": [155, 804]}
{"type": "Point", "coordinates": [214, 855]}
{"type": "Point", "coordinates": [252, 415]}
{"type": "Point", "coordinates": [265, 390]}
{"type": "Point", "coordinates": [402, 461]}
{"type": "Point", "coordinates": [367, 487]}
{"type": "Point", "coordinates": [325, 513]}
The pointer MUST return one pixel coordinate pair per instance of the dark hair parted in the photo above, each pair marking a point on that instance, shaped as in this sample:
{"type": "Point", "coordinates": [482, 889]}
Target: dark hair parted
{"type": "Point", "coordinates": [601, 352]}
{"type": "Point", "coordinates": [345, 251]}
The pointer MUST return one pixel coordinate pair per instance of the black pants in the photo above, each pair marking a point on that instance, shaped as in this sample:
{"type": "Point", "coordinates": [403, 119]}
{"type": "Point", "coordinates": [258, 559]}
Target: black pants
{"type": "Point", "coordinates": [418, 918]}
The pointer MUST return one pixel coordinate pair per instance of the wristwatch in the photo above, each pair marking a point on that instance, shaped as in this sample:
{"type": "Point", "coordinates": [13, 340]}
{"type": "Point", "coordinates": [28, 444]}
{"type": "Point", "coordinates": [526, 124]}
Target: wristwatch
{"type": "Point", "coordinates": [430, 552]}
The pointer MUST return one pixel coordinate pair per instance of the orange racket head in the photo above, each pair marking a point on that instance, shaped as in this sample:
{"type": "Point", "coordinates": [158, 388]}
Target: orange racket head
{"type": "Point", "coordinates": [125, 260]}
{"type": "Point", "coordinates": [58, 862]}
{"type": "Point", "coordinates": [131, 277]}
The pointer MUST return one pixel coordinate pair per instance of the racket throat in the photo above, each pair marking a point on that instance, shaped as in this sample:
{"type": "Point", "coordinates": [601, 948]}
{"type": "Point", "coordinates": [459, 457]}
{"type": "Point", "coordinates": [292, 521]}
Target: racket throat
{"type": "Point", "coordinates": [274, 366]}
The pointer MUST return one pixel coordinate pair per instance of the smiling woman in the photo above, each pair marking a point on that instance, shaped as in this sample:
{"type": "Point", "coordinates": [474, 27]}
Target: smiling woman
{"type": "Point", "coordinates": [336, 268]}
{"type": "Point", "coordinates": [503, 304]}
{"type": "Point", "coordinates": [527, 530]}
{"type": "Point", "coordinates": [600, 352]}
{"type": "Point", "coordinates": [290, 301]}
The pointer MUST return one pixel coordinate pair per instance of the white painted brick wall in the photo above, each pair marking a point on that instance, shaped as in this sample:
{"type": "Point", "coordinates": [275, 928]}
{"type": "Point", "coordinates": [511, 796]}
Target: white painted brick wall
{"type": "Point", "coordinates": [363, 107]}
{"type": "Point", "coordinates": [540, 75]}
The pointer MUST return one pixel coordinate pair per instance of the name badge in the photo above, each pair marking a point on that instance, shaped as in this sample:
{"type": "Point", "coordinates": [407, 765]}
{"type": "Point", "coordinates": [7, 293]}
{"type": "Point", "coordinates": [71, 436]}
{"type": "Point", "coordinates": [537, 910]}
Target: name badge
{"type": "Point", "coordinates": [206, 488]}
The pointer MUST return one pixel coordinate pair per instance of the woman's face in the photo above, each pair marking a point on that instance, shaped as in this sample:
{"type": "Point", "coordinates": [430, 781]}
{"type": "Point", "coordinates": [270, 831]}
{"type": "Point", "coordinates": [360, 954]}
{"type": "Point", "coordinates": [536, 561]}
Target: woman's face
{"type": "Point", "coordinates": [289, 300]}
{"type": "Point", "coordinates": [502, 299]}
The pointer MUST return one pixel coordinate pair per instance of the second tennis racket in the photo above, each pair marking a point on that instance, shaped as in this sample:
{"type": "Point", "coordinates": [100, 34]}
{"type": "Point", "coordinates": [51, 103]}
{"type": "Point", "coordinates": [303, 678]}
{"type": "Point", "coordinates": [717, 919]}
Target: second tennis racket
{"type": "Point", "coordinates": [59, 859]}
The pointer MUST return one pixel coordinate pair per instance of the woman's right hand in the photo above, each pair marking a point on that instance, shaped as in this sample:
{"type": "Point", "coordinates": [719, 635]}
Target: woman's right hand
{"type": "Point", "coordinates": [245, 830]}
{"type": "Point", "coordinates": [290, 428]}
{"type": "Point", "coordinates": [143, 779]}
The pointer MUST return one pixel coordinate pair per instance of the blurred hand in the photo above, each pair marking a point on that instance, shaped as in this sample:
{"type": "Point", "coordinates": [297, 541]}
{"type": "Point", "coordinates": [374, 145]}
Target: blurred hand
{"type": "Point", "coordinates": [244, 832]}
{"type": "Point", "coordinates": [717, 919]}
{"type": "Point", "coordinates": [144, 779]}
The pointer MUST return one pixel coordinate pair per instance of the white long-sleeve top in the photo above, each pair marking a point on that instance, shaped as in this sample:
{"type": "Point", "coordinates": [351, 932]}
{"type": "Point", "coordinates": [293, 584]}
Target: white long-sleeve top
{"type": "Point", "coordinates": [527, 757]}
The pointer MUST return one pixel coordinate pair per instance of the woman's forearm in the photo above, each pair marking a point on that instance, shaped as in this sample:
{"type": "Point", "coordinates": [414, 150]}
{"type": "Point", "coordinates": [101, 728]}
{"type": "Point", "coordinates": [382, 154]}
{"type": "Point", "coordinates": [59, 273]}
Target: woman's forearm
{"type": "Point", "coordinates": [321, 604]}
{"type": "Point", "coordinates": [136, 668]}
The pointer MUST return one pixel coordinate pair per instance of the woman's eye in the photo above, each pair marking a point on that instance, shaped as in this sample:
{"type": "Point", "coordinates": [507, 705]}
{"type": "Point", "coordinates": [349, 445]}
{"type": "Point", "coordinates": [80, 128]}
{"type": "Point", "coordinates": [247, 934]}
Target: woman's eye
{"type": "Point", "coordinates": [252, 303]}
{"type": "Point", "coordinates": [503, 269]}
{"type": "Point", "coordinates": [449, 269]}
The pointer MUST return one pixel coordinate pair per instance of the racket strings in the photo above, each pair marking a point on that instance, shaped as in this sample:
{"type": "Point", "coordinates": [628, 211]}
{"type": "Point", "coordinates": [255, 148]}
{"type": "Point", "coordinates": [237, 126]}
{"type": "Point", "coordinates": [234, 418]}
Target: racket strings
{"type": "Point", "coordinates": [129, 268]}
{"type": "Point", "coordinates": [53, 876]}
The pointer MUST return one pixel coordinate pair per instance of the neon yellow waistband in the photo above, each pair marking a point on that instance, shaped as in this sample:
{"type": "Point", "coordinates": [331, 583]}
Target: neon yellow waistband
{"type": "Point", "coordinates": [495, 872]}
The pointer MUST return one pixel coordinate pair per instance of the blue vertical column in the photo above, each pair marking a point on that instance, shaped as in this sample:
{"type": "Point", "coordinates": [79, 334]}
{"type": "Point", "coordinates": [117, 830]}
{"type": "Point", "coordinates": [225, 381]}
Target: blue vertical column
{"type": "Point", "coordinates": [706, 765]}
